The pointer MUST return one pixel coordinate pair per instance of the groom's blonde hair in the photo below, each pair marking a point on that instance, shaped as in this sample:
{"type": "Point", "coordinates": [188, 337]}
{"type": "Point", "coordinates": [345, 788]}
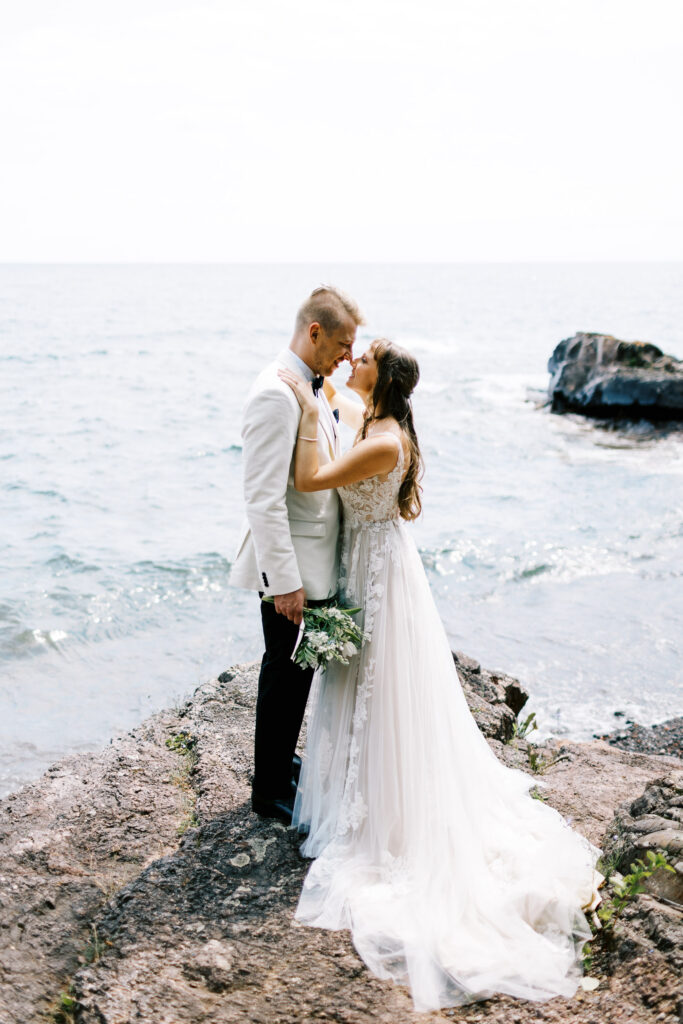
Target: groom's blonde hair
{"type": "Point", "coordinates": [328, 306]}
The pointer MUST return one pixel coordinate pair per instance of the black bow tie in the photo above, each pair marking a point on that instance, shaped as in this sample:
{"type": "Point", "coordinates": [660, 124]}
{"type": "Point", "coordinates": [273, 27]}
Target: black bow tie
{"type": "Point", "coordinates": [316, 384]}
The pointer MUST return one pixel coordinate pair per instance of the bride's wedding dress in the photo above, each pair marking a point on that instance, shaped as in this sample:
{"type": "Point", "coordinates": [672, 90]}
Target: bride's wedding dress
{"type": "Point", "coordinates": [451, 877]}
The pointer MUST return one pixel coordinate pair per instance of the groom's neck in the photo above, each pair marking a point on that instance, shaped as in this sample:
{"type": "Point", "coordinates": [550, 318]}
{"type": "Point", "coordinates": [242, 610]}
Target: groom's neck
{"type": "Point", "coordinates": [303, 350]}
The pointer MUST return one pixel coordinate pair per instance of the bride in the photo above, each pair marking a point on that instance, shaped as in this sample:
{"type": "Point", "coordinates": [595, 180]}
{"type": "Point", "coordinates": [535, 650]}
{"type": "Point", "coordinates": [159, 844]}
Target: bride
{"type": "Point", "coordinates": [451, 878]}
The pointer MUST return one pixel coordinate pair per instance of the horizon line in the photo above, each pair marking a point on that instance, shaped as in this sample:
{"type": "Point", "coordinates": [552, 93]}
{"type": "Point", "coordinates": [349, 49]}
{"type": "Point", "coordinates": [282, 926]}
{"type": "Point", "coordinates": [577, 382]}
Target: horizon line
{"type": "Point", "coordinates": [341, 262]}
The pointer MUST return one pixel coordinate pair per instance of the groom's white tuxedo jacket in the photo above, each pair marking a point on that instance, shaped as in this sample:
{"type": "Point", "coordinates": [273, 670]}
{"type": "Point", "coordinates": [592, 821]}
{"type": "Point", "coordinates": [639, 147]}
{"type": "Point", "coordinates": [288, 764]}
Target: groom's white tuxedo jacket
{"type": "Point", "coordinates": [290, 539]}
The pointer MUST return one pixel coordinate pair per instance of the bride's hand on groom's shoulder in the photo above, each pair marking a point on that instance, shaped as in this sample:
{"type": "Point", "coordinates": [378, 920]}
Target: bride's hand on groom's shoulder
{"type": "Point", "coordinates": [302, 390]}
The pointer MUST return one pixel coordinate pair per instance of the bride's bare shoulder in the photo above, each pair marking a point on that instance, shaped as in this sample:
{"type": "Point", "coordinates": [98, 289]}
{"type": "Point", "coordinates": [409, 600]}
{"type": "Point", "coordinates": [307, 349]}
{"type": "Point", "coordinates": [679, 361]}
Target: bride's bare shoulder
{"type": "Point", "coordinates": [390, 426]}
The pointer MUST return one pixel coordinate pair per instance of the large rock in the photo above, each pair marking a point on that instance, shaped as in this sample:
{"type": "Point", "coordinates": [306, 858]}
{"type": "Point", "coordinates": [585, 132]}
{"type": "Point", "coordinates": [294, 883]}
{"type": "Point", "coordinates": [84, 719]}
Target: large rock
{"type": "Point", "coordinates": [494, 698]}
{"type": "Point", "coordinates": [598, 375]}
{"type": "Point", "coordinates": [652, 922]}
{"type": "Point", "coordinates": [653, 821]}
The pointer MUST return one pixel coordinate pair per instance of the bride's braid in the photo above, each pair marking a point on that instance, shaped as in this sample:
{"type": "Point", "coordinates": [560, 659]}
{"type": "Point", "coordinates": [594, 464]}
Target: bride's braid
{"type": "Point", "coordinates": [397, 376]}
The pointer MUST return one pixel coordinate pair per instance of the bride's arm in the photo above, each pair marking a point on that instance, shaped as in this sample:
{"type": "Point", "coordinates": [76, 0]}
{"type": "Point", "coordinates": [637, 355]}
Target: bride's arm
{"type": "Point", "coordinates": [373, 456]}
{"type": "Point", "coordinates": [350, 412]}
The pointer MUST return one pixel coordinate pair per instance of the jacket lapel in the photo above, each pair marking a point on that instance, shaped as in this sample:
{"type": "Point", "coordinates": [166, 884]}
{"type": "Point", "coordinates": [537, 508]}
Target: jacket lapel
{"type": "Point", "coordinates": [325, 418]}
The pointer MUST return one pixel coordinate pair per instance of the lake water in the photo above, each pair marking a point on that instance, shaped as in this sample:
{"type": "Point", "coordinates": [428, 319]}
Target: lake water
{"type": "Point", "coordinates": [554, 548]}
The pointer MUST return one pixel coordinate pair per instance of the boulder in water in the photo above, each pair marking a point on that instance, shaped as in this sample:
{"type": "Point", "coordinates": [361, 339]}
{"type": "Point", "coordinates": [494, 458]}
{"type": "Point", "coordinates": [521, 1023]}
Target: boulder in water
{"type": "Point", "coordinates": [599, 375]}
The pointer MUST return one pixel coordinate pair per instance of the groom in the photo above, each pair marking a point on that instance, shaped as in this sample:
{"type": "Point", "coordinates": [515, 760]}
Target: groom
{"type": "Point", "coordinates": [289, 546]}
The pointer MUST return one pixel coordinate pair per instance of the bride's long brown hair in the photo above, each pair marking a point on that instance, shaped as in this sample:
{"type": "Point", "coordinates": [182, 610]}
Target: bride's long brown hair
{"type": "Point", "coordinates": [397, 376]}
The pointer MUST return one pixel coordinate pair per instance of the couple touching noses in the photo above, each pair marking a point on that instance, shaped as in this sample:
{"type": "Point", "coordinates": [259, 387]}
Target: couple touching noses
{"type": "Point", "coordinates": [450, 876]}
{"type": "Point", "coordinates": [289, 549]}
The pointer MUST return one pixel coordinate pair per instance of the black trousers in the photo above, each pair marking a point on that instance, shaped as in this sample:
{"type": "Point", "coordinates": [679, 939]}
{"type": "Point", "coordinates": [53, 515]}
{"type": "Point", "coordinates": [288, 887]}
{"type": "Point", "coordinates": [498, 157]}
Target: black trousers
{"type": "Point", "coordinates": [283, 689]}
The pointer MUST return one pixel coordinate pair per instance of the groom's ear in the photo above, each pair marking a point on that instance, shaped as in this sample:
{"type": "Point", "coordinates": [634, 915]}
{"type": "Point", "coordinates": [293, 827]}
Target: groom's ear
{"type": "Point", "coordinates": [314, 331]}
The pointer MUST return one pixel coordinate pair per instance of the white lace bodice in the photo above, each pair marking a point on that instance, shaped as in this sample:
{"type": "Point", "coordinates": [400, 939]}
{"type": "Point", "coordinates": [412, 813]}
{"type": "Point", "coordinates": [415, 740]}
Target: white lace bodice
{"type": "Point", "coordinates": [374, 500]}
{"type": "Point", "coordinates": [371, 518]}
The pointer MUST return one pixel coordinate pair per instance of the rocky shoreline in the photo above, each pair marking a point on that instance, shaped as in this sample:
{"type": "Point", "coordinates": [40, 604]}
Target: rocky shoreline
{"type": "Point", "coordinates": [136, 884]}
{"type": "Point", "coordinates": [663, 738]}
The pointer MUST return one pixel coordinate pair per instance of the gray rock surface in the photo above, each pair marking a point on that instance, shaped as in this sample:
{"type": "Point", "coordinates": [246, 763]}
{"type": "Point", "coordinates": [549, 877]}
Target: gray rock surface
{"type": "Point", "coordinates": [599, 375]}
{"type": "Point", "coordinates": [67, 842]}
{"type": "Point", "coordinates": [653, 821]}
{"type": "Point", "coordinates": [652, 924]}
{"type": "Point", "coordinates": [495, 699]}
{"type": "Point", "coordinates": [137, 882]}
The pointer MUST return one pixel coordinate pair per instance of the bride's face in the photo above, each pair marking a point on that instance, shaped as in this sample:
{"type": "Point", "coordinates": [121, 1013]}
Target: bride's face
{"type": "Point", "coordinates": [363, 374]}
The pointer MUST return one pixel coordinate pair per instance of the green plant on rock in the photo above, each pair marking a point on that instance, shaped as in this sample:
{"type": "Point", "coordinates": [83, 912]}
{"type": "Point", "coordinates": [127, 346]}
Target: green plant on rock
{"type": "Point", "coordinates": [183, 743]}
{"type": "Point", "coordinates": [94, 947]}
{"type": "Point", "coordinates": [63, 1011]}
{"type": "Point", "coordinates": [189, 821]}
{"type": "Point", "coordinates": [521, 729]}
{"type": "Point", "coordinates": [539, 764]}
{"type": "Point", "coordinates": [632, 884]}
{"type": "Point", "coordinates": [587, 954]}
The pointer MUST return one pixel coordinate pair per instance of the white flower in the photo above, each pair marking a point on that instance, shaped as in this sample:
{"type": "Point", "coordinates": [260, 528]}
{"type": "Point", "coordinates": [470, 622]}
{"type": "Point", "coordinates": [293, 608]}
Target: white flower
{"type": "Point", "coordinates": [318, 640]}
{"type": "Point", "coordinates": [337, 615]}
{"type": "Point", "coordinates": [348, 649]}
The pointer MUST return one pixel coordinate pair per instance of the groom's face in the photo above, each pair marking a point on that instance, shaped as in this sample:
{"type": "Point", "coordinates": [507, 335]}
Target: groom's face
{"type": "Point", "coordinates": [332, 349]}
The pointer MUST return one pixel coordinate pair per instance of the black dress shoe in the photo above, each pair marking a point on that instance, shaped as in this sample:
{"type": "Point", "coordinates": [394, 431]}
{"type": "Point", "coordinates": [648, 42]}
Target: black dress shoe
{"type": "Point", "coordinates": [279, 808]}
{"type": "Point", "coordinates": [296, 767]}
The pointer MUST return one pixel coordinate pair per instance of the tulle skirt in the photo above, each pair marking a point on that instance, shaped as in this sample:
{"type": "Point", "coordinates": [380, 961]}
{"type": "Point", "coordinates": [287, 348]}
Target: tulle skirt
{"type": "Point", "coordinates": [450, 876]}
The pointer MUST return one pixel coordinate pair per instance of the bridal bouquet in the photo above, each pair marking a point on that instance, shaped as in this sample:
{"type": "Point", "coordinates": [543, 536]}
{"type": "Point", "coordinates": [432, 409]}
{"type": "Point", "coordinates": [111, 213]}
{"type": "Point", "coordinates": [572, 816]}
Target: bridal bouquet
{"type": "Point", "coordinates": [326, 634]}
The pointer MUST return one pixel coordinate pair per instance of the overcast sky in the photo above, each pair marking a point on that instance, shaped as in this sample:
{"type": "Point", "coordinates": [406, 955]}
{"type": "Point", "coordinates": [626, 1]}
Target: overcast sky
{"type": "Point", "coordinates": [307, 130]}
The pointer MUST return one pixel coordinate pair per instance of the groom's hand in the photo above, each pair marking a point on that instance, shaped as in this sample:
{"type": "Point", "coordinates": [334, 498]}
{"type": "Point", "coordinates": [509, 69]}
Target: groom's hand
{"type": "Point", "coordinates": [291, 605]}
